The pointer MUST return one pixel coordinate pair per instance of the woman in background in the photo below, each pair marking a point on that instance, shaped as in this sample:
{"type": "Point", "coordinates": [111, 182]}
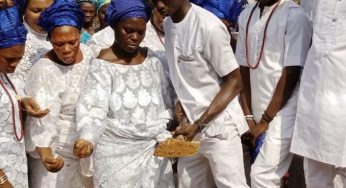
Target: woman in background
{"type": "Point", "coordinates": [36, 45]}
{"type": "Point", "coordinates": [89, 8]}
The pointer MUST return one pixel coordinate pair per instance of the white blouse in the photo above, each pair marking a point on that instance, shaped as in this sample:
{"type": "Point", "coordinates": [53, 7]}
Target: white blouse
{"type": "Point", "coordinates": [57, 88]}
{"type": "Point", "coordinates": [12, 152]}
{"type": "Point", "coordinates": [36, 46]}
{"type": "Point", "coordinates": [125, 109]}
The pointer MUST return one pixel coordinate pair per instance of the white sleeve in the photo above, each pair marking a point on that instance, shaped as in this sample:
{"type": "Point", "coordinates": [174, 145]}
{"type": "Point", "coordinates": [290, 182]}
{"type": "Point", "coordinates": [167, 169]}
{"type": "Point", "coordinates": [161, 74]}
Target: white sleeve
{"type": "Point", "coordinates": [92, 107]}
{"type": "Point", "coordinates": [100, 40]}
{"type": "Point", "coordinates": [297, 38]}
{"type": "Point", "coordinates": [44, 85]}
{"type": "Point", "coordinates": [218, 50]}
{"type": "Point", "coordinates": [240, 53]}
{"type": "Point", "coordinates": [167, 89]}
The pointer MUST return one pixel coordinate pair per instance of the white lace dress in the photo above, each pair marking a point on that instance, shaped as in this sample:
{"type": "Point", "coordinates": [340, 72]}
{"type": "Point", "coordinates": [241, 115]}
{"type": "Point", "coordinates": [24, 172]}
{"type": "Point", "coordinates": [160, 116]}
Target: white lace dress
{"type": "Point", "coordinates": [56, 87]}
{"type": "Point", "coordinates": [36, 46]}
{"type": "Point", "coordinates": [124, 109]}
{"type": "Point", "coordinates": [12, 152]}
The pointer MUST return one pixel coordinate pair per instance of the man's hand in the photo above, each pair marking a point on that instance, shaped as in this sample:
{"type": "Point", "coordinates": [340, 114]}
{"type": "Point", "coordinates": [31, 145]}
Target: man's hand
{"type": "Point", "coordinates": [189, 131]}
{"type": "Point", "coordinates": [50, 163]}
{"type": "Point", "coordinates": [82, 148]}
{"type": "Point", "coordinates": [32, 108]}
{"type": "Point", "coordinates": [179, 112]}
{"type": "Point", "coordinates": [7, 184]}
{"type": "Point", "coordinates": [257, 130]}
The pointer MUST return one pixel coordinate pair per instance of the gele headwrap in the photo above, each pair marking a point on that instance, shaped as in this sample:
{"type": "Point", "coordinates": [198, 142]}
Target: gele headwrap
{"type": "Point", "coordinates": [224, 9]}
{"type": "Point", "coordinates": [12, 30]}
{"type": "Point", "coordinates": [119, 10]}
{"type": "Point", "coordinates": [61, 13]}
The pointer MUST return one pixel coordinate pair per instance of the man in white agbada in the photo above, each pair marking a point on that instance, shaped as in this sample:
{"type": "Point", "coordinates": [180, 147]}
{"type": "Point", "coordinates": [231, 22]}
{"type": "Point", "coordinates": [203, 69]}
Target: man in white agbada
{"type": "Point", "coordinates": [55, 81]}
{"type": "Point", "coordinates": [154, 36]}
{"type": "Point", "coordinates": [124, 109]}
{"type": "Point", "coordinates": [36, 45]}
{"type": "Point", "coordinates": [319, 133]}
{"type": "Point", "coordinates": [206, 78]}
{"type": "Point", "coordinates": [274, 39]}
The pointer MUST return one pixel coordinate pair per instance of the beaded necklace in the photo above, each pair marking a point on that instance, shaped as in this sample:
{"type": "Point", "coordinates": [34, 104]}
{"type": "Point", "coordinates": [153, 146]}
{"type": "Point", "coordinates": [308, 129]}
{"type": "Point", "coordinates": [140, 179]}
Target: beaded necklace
{"type": "Point", "coordinates": [264, 35]}
{"type": "Point", "coordinates": [20, 137]}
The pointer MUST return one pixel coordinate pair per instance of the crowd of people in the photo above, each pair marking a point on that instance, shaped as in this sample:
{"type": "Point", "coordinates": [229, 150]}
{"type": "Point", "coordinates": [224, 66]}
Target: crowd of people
{"type": "Point", "coordinates": [89, 88]}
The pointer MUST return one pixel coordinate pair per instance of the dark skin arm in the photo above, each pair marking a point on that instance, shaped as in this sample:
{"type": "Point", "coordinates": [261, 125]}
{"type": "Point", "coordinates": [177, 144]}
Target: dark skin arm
{"type": "Point", "coordinates": [245, 95]}
{"type": "Point", "coordinates": [7, 184]}
{"type": "Point", "coordinates": [231, 87]}
{"type": "Point", "coordinates": [283, 92]}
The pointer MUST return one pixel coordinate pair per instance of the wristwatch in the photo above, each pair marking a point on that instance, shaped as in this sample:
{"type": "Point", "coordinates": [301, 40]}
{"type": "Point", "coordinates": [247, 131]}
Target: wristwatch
{"type": "Point", "coordinates": [200, 125]}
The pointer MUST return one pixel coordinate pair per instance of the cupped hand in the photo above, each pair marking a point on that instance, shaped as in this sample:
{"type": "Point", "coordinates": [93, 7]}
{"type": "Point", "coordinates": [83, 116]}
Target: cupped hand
{"type": "Point", "coordinates": [82, 148]}
{"type": "Point", "coordinates": [32, 108]}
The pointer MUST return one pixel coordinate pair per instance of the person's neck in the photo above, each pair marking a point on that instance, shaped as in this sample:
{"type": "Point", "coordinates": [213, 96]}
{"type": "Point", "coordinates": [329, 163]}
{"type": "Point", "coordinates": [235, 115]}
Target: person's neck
{"type": "Point", "coordinates": [124, 55]}
{"type": "Point", "coordinates": [267, 4]}
{"type": "Point", "coordinates": [87, 25]}
{"type": "Point", "coordinates": [181, 12]}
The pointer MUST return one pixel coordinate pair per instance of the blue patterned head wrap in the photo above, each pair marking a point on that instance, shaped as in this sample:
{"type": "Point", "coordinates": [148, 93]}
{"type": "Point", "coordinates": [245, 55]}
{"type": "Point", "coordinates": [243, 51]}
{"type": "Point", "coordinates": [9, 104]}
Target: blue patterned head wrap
{"type": "Point", "coordinates": [61, 13]}
{"type": "Point", "coordinates": [12, 30]}
{"type": "Point", "coordinates": [119, 10]}
{"type": "Point", "coordinates": [224, 9]}
{"type": "Point", "coordinates": [93, 2]}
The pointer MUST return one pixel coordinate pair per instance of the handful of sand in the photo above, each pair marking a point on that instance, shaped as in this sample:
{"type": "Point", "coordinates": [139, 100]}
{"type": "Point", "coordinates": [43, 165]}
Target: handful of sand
{"type": "Point", "coordinates": [173, 147]}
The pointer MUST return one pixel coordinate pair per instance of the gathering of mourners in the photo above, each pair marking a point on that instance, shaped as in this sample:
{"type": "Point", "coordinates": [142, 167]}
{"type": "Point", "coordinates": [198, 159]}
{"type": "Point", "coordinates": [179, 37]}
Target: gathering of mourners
{"type": "Point", "coordinates": [172, 93]}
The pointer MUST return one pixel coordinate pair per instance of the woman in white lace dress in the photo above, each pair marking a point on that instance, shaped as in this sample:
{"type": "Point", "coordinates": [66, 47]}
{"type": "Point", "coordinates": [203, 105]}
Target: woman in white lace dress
{"type": "Point", "coordinates": [55, 81]}
{"type": "Point", "coordinates": [36, 44]}
{"type": "Point", "coordinates": [13, 166]}
{"type": "Point", "coordinates": [125, 107]}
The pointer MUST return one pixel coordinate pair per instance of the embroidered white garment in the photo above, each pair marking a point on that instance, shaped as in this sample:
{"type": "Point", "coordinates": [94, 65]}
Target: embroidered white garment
{"type": "Point", "coordinates": [12, 153]}
{"type": "Point", "coordinates": [36, 46]}
{"type": "Point", "coordinates": [124, 109]}
{"type": "Point", "coordinates": [105, 39]}
{"type": "Point", "coordinates": [56, 87]}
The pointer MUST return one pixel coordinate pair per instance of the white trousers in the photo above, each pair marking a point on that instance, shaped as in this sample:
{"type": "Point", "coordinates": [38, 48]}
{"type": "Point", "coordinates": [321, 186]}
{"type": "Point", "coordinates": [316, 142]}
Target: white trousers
{"type": "Point", "coordinates": [274, 158]}
{"type": "Point", "coordinates": [322, 175]}
{"type": "Point", "coordinates": [219, 163]}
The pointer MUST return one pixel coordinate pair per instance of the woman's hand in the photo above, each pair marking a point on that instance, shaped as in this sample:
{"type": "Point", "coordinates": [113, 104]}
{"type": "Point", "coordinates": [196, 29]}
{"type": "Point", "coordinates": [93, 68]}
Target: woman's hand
{"type": "Point", "coordinates": [52, 164]}
{"type": "Point", "coordinates": [32, 108]}
{"type": "Point", "coordinates": [82, 148]}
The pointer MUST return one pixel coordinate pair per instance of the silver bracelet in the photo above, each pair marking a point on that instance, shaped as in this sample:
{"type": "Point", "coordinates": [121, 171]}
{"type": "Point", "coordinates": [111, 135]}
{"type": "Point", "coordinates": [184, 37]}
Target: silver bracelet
{"type": "Point", "coordinates": [3, 179]}
{"type": "Point", "coordinates": [249, 117]}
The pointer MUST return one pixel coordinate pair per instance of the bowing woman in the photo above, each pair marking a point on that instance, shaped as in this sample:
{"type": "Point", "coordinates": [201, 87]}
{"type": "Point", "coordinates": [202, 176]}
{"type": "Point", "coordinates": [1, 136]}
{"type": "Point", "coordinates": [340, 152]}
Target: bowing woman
{"type": "Point", "coordinates": [13, 165]}
{"type": "Point", "coordinates": [124, 108]}
{"type": "Point", "coordinates": [55, 81]}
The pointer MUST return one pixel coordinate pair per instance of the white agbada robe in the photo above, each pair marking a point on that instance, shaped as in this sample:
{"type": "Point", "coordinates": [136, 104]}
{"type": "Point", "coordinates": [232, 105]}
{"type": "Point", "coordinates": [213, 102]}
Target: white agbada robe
{"type": "Point", "coordinates": [308, 6]}
{"type": "Point", "coordinates": [287, 44]}
{"type": "Point", "coordinates": [320, 125]}
{"type": "Point", "coordinates": [124, 111]}
{"type": "Point", "coordinates": [57, 87]}
{"type": "Point", "coordinates": [199, 54]}
{"type": "Point", "coordinates": [12, 153]}
{"type": "Point", "coordinates": [36, 46]}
